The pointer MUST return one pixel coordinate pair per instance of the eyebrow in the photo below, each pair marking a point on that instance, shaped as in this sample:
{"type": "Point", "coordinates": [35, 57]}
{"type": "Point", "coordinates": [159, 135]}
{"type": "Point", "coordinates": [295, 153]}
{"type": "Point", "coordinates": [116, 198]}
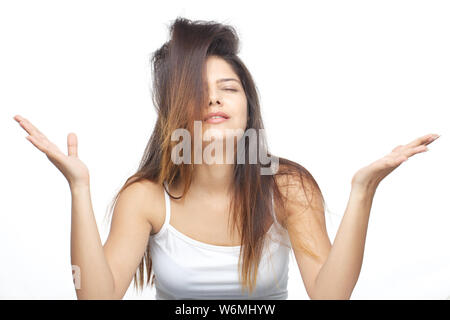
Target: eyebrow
{"type": "Point", "coordinates": [227, 79]}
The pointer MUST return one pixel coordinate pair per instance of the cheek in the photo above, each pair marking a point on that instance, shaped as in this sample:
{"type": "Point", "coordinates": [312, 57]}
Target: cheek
{"type": "Point", "coordinates": [241, 113]}
{"type": "Point", "coordinates": [239, 122]}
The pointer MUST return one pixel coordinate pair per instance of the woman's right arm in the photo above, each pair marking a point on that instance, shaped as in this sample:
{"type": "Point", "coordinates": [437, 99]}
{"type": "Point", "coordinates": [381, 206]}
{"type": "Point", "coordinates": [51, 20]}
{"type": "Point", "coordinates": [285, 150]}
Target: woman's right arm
{"type": "Point", "coordinates": [105, 272]}
{"type": "Point", "coordinates": [101, 272]}
{"type": "Point", "coordinates": [93, 278]}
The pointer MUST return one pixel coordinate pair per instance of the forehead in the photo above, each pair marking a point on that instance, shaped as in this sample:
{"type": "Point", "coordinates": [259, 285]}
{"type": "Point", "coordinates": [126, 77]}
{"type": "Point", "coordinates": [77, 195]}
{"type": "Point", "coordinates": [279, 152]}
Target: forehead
{"type": "Point", "coordinates": [217, 68]}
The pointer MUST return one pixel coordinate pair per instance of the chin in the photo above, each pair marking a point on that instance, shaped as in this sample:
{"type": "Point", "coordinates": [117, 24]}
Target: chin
{"type": "Point", "coordinates": [223, 132]}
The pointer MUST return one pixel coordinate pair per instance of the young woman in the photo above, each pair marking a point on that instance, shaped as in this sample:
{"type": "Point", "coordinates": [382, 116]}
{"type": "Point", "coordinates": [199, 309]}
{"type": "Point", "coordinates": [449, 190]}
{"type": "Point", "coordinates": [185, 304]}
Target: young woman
{"type": "Point", "coordinates": [214, 230]}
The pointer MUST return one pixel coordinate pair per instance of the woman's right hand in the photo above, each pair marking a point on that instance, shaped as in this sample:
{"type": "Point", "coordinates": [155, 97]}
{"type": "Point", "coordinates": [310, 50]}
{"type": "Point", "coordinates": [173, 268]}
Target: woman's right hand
{"type": "Point", "coordinates": [75, 171]}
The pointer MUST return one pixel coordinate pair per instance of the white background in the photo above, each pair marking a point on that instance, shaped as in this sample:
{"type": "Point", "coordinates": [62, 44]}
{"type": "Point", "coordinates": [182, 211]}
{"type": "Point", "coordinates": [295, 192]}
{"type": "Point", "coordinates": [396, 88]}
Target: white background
{"type": "Point", "coordinates": [341, 84]}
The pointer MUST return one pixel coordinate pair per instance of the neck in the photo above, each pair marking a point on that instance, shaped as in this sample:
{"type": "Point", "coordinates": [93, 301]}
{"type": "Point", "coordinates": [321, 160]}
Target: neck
{"type": "Point", "coordinates": [213, 179]}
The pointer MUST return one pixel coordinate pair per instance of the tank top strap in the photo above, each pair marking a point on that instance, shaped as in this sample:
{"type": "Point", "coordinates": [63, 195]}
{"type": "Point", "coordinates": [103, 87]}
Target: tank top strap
{"type": "Point", "coordinates": [168, 210]}
{"type": "Point", "coordinates": [273, 209]}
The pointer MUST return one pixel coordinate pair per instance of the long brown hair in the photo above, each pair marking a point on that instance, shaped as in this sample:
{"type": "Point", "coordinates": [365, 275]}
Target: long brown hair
{"type": "Point", "coordinates": [179, 95]}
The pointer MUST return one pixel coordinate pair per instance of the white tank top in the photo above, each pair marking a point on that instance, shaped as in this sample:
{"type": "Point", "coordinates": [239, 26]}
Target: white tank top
{"type": "Point", "coordinates": [186, 268]}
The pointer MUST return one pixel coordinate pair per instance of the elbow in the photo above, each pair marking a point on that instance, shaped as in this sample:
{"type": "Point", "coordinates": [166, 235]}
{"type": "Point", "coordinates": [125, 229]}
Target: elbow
{"type": "Point", "coordinates": [335, 291]}
{"type": "Point", "coordinates": [98, 295]}
{"type": "Point", "coordinates": [329, 297]}
{"type": "Point", "coordinates": [328, 294]}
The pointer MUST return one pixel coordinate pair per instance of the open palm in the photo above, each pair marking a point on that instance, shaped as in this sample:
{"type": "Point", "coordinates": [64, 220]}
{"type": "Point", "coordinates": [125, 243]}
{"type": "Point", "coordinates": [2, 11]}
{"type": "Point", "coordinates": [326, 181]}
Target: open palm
{"type": "Point", "coordinates": [73, 169]}
{"type": "Point", "coordinates": [372, 174]}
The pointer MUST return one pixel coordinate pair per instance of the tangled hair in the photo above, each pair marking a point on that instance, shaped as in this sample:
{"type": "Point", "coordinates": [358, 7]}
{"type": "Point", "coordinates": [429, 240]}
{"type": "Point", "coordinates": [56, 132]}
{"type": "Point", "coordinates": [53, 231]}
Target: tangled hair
{"type": "Point", "coordinates": [179, 95]}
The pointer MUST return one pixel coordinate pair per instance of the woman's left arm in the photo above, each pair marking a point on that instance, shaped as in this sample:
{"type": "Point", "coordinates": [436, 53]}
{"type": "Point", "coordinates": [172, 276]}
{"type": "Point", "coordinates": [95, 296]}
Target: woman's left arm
{"type": "Point", "coordinates": [339, 274]}
{"type": "Point", "coordinates": [336, 276]}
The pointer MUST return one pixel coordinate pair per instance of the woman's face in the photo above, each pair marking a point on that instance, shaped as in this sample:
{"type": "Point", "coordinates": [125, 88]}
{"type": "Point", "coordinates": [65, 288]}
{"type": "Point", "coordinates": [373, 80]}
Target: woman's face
{"type": "Point", "coordinates": [225, 96]}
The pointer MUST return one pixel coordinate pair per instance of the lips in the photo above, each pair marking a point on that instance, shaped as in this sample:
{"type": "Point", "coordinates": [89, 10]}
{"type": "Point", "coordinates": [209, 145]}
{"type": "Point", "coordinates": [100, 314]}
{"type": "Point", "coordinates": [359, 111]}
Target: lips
{"type": "Point", "coordinates": [217, 115]}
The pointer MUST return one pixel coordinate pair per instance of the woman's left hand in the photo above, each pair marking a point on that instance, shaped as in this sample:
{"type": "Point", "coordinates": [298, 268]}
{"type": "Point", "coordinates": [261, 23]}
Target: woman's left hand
{"type": "Point", "coordinates": [371, 175]}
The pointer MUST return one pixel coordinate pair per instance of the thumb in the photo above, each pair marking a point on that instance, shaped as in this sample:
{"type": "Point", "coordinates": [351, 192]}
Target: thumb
{"type": "Point", "coordinates": [72, 144]}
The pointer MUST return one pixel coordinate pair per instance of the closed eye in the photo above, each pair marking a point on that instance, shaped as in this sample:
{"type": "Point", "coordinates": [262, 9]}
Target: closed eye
{"type": "Point", "coordinates": [230, 89]}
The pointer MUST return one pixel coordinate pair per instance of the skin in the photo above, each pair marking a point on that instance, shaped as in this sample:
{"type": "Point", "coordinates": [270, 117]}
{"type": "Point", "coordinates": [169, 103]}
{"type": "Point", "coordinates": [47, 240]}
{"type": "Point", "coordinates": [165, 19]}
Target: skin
{"type": "Point", "coordinates": [140, 210]}
{"type": "Point", "coordinates": [212, 179]}
{"type": "Point", "coordinates": [203, 213]}
{"type": "Point", "coordinates": [335, 273]}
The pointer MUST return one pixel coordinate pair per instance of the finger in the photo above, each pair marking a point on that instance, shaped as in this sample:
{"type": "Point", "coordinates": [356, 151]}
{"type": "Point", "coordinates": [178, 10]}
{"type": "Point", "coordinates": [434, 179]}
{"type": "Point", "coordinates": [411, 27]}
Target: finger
{"type": "Point", "coordinates": [37, 143]}
{"type": "Point", "coordinates": [426, 139]}
{"type": "Point", "coordinates": [29, 127]}
{"type": "Point", "coordinates": [412, 151]}
{"type": "Point", "coordinates": [430, 140]}
{"type": "Point", "coordinates": [72, 144]}
{"type": "Point", "coordinates": [50, 150]}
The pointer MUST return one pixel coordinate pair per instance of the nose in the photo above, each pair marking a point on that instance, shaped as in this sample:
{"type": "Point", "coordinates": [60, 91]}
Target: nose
{"type": "Point", "coordinates": [214, 99]}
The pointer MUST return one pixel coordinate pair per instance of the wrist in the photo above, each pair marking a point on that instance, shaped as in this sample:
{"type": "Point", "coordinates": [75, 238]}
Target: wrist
{"type": "Point", "coordinates": [366, 185]}
{"type": "Point", "coordinates": [78, 187]}
{"type": "Point", "coordinates": [368, 188]}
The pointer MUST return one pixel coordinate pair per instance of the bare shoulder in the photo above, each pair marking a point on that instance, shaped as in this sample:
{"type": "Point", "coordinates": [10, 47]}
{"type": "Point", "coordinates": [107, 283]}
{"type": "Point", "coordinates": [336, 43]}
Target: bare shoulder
{"type": "Point", "coordinates": [150, 196]}
{"type": "Point", "coordinates": [299, 192]}
{"type": "Point", "coordinates": [304, 221]}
